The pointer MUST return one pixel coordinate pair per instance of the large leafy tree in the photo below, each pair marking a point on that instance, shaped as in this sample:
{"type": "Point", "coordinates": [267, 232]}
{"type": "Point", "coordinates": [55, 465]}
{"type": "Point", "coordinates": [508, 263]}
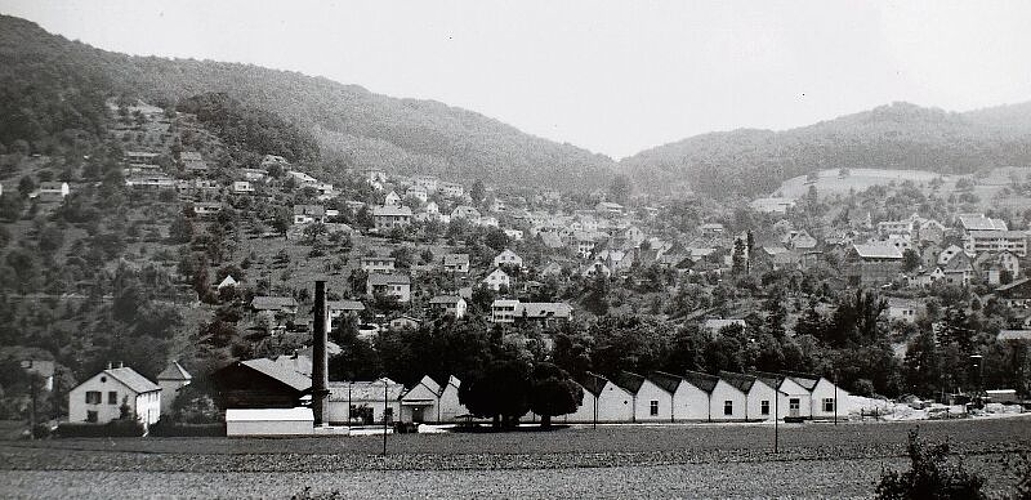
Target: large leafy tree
{"type": "Point", "coordinates": [553, 393]}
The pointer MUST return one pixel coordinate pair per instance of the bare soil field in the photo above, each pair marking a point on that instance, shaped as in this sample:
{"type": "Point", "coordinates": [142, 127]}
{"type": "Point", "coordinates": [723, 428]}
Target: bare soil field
{"type": "Point", "coordinates": [815, 460]}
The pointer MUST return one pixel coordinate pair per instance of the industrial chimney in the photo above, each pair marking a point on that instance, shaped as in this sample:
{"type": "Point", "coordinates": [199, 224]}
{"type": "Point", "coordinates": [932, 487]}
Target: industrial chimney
{"type": "Point", "coordinates": [320, 364]}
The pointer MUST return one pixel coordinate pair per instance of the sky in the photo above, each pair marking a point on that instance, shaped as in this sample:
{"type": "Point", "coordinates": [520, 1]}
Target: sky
{"type": "Point", "coordinates": [611, 77]}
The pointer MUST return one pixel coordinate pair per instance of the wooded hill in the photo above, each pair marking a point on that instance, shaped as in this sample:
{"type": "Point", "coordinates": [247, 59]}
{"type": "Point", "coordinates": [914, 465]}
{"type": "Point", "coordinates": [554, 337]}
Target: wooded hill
{"type": "Point", "coordinates": [896, 136]}
{"type": "Point", "coordinates": [49, 84]}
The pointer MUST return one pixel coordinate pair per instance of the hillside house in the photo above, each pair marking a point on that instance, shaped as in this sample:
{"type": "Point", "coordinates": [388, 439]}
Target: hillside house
{"type": "Point", "coordinates": [948, 253]}
{"type": "Point", "coordinates": [503, 310]}
{"type": "Point", "coordinates": [432, 208]}
{"type": "Point", "coordinates": [375, 264]}
{"type": "Point", "coordinates": [508, 258]}
{"type": "Point", "coordinates": [171, 380]}
{"type": "Point", "coordinates": [514, 234]}
{"type": "Point", "coordinates": [307, 214]}
{"type": "Point", "coordinates": [336, 309]}
{"type": "Point", "coordinates": [465, 212]}
{"type": "Point", "coordinates": [243, 187]}
{"type": "Point", "coordinates": [395, 285]}
{"type": "Point", "coordinates": [388, 217]}
{"type": "Point", "coordinates": [206, 208]}
{"type": "Point", "coordinates": [392, 200]}
{"type": "Point", "coordinates": [451, 190]}
{"type": "Point", "coordinates": [450, 305]}
{"type": "Point", "coordinates": [259, 383]}
{"type": "Point", "coordinates": [417, 192]}
{"type": "Point", "coordinates": [228, 282]}
{"type": "Point", "coordinates": [1015, 242]}
{"type": "Point", "coordinates": [1015, 294]}
{"type": "Point", "coordinates": [870, 264]}
{"type": "Point", "coordinates": [362, 402]}
{"type": "Point", "coordinates": [302, 178]}
{"type": "Point", "coordinates": [959, 270]}
{"type": "Point", "coordinates": [993, 267]}
{"type": "Point", "coordinates": [931, 231]}
{"type": "Point", "coordinates": [609, 208]}
{"type": "Point", "coordinates": [456, 263]}
{"type": "Point", "coordinates": [497, 279]}
{"type": "Point", "coordinates": [428, 183]}
{"type": "Point", "coordinates": [978, 222]}
{"type": "Point", "coordinates": [41, 368]}
{"type": "Point", "coordinates": [253, 174]}
{"type": "Point", "coordinates": [404, 322]}
{"type": "Point", "coordinates": [274, 304]}
{"type": "Point", "coordinates": [99, 399]}
{"type": "Point", "coordinates": [711, 229]}
{"type": "Point", "coordinates": [52, 191]}
{"type": "Point", "coordinates": [603, 402]}
{"type": "Point", "coordinates": [906, 310]}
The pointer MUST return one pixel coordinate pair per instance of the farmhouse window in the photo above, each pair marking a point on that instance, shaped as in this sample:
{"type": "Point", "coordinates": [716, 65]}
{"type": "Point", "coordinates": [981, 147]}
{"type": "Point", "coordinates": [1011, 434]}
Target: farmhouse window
{"type": "Point", "coordinates": [91, 416]}
{"type": "Point", "coordinates": [93, 397]}
{"type": "Point", "coordinates": [728, 407]}
{"type": "Point", "coordinates": [653, 408]}
{"type": "Point", "coordinates": [765, 408]}
{"type": "Point", "coordinates": [112, 398]}
{"type": "Point", "coordinates": [828, 404]}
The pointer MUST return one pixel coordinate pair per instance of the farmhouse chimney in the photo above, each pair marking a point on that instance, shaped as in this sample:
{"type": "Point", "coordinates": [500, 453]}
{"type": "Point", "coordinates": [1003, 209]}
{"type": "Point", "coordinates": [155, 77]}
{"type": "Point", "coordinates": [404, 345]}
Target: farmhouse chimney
{"type": "Point", "coordinates": [320, 365]}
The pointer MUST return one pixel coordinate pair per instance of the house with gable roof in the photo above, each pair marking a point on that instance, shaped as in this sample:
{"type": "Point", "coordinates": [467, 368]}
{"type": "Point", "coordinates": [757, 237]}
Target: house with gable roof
{"type": "Point", "coordinates": [99, 399]}
{"type": "Point", "coordinates": [760, 398]}
{"type": "Point", "coordinates": [171, 380]}
{"type": "Point", "coordinates": [604, 402]}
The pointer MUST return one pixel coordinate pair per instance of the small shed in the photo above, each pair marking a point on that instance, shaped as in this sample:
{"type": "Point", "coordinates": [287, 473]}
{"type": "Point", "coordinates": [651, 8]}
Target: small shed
{"type": "Point", "coordinates": [269, 422]}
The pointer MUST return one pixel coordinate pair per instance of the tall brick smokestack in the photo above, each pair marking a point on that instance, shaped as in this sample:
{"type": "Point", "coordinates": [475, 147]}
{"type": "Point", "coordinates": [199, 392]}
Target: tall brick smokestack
{"type": "Point", "coordinates": [320, 363]}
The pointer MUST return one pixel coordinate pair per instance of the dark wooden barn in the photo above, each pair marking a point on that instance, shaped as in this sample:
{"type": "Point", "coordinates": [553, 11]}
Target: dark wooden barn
{"type": "Point", "coordinates": [259, 383]}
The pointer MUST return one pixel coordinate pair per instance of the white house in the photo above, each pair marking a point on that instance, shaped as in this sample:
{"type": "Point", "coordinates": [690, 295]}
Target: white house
{"type": "Point", "coordinates": [450, 304]}
{"type": "Point", "coordinates": [497, 279]}
{"type": "Point", "coordinates": [795, 400]}
{"type": "Point", "coordinates": [392, 199]}
{"type": "Point", "coordinates": [397, 285]}
{"type": "Point", "coordinates": [456, 262]}
{"type": "Point", "coordinates": [687, 401]}
{"type": "Point", "coordinates": [99, 398]}
{"type": "Point", "coordinates": [229, 281]}
{"type": "Point", "coordinates": [418, 192]}
{"type": "Point", "coordinates": [826, 400]}
{"type": "Point", "coordinates": [428, 401]}
{"type": "Point", "coordinates": [604, 401]}
{"type": "Point", "coordinates": [726, 402]}
{"type": "Point", "coordinates": [503, 310]}
{"type": "Point", "coordinates": [388, 217]}
{"type": "Point", "coordinates": [375, 264]}
{"type": "Point", "coordinates": [242, 187]}
{"type": "Point", "coordinates": [306, 214]}
{"type": "Point", "coordinates": [651, 403]}
{"type": "Point", "coordinates": [53, 191]}
{"type": "Point", "coordinates": [174, 377]}
{"type": "Point", "coordinates": [760, 398]}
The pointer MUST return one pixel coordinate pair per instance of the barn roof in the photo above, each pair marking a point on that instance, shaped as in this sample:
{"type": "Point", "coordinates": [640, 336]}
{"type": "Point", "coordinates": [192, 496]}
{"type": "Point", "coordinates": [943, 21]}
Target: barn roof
{"type": "Point", "coordinates": [741, 381]}
{"type": "Point", "coordinates": [666, 381]}
{"type": "Point", "coordinates": [703, 381]}
{"type": "Point", "coordinates": [277, 372]}
{"type": "Point", "coordinates": [632, 382]}
{"type": "Point", "coordinates": [592, 383]}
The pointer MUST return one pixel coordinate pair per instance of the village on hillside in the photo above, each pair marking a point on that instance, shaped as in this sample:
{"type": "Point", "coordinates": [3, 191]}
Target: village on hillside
{"type": "Point", "coordinates": [607, 306]}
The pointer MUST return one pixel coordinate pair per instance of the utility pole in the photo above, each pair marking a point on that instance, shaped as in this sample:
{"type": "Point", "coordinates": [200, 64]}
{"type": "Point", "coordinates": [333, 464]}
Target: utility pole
{"type": "Point", "coordinates": [384, 415]}
{"type": "Point", "coordinates": [776, 421]}
{"type": "Point", "coordinates": [32, 410]}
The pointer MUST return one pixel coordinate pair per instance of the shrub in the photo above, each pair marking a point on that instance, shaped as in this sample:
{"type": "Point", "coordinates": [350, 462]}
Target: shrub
{"type": "Point", "coordinates": [174, 429]}
{"type": "Point", "coordinates": [114, 428]}
{"type": "Point", "coordinates": [931, 475]}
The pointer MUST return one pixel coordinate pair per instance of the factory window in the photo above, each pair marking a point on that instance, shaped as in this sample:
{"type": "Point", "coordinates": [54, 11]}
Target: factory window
{"type": "Point", "coordinates": [828, 404]}
{"type": "Point", "coordinates": [653, 408]}
{"type": "Point", "coordinates": [728, 407]}
{"type": "Point", "coordinates": [765, 408]}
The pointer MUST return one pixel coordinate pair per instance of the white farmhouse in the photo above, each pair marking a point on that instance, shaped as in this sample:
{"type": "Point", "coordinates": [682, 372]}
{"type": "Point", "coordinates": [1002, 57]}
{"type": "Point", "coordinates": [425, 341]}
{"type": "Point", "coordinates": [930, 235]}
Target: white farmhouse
{"type": "Point", "coordinates": [174, 378]}
{"type": "Point", "coordinates": [99, 398]}
{"type": "Point", "coordinates": [497, 279]}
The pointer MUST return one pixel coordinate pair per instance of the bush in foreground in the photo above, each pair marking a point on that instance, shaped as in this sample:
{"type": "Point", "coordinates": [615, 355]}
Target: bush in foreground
{"type": "Point", "coordinates": [931, 476]}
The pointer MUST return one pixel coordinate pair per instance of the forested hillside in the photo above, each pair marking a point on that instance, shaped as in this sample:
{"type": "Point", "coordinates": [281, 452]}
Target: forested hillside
{"type": "Point", "coordinates": [898, 136]}
{"type": "Point", "coordinates": [49, 85]}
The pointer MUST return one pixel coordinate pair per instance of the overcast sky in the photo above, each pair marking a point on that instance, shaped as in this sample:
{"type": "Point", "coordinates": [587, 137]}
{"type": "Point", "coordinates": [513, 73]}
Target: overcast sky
{"type": "Point", "coordinates": [613, 77]}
